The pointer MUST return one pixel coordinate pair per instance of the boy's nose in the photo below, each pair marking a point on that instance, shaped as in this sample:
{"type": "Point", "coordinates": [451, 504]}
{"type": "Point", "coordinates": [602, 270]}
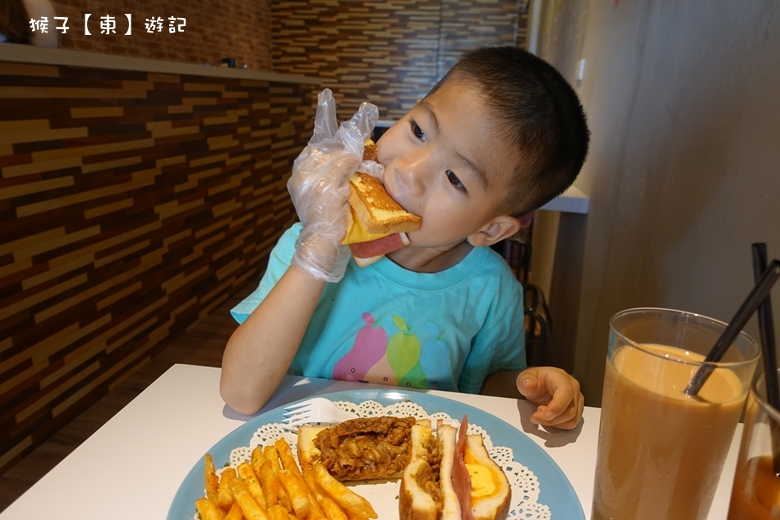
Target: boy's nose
{"type": "Point", "coordinates": [411, 172]}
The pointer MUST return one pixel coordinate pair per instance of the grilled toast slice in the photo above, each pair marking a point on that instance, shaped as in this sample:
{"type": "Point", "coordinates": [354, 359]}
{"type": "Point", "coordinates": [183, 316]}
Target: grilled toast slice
{"type": "Point", "coordinates": [377, 212]}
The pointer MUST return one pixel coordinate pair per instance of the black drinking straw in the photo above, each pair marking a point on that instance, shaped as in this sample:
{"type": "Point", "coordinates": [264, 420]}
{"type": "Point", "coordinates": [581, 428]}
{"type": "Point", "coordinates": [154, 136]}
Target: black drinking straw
{"type": "Point", "coordinates": [749, 306]}
{"type": "Point", "coordinates": [766, 330]}
{"type": "Point", "coordinates": [767, 335]}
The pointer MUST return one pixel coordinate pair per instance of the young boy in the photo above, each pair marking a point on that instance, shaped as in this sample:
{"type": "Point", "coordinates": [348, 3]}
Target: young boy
{"type": "Point", "coordinates": [501, 134]}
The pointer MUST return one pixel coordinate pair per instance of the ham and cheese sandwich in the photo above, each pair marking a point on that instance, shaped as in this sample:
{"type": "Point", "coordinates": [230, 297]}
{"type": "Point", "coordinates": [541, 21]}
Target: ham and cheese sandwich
{"type": "Point", "coordinates": [455, 481]}
{"type": "Point", "coordinates": [378, 224]}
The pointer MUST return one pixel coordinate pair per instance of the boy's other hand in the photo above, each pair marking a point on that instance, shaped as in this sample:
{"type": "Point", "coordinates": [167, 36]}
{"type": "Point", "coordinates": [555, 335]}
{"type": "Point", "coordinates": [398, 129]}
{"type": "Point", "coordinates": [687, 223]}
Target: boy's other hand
{"type": "Point", "coordinates": [557, 395]}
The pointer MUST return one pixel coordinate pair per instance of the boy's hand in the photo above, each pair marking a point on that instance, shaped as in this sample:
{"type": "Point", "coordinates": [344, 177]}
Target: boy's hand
{"type": "Point", "coordinates": [557, 395]}
{"type": "Point", "coordinates": [319, 187]}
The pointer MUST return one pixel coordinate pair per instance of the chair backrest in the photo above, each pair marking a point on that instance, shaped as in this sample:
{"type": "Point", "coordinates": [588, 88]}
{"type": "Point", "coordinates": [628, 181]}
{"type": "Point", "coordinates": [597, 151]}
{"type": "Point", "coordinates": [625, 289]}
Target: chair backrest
{"type": "Point", "coordinates": [538, 325]}
{"type": "Point", "coordinates": [516, 250]}
{"type": "Point", "coordinates": [517, 254]}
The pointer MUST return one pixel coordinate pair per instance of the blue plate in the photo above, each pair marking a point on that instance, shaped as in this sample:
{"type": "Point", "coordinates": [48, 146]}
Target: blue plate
{"type": "Point", "coordinates": [556, 491]}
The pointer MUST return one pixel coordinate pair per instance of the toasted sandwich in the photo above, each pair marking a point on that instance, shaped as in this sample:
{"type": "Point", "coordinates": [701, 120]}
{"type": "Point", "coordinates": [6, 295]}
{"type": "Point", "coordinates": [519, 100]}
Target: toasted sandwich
{"type": "Point", "coordinates": [458, 482]}
{"type": "Point", "coordinates": [367, 448]}
{"type": "Point", "coordinates": [378, 224]}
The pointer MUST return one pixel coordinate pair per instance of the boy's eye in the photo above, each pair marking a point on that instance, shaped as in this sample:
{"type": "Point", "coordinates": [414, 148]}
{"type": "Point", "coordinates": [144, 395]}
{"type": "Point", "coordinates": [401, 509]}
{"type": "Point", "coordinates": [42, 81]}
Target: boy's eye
{"type": "Point", "coordinates": [417, 131]}
{"type": "Point", "coordinates": [455, 181]}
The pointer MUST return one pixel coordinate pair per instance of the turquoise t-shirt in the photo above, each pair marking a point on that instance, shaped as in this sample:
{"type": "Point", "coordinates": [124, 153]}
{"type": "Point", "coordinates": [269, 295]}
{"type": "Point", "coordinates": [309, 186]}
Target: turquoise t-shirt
{"type": "Point", "coordinates": [385, 324]}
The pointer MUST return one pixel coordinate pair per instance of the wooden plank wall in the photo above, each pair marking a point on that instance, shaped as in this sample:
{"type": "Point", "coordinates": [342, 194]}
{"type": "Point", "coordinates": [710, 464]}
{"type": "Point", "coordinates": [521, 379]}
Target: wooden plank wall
{"type": "Point", "coordinates": [389, 52]}
{"type": "Point", "coordinates": [131, 204]}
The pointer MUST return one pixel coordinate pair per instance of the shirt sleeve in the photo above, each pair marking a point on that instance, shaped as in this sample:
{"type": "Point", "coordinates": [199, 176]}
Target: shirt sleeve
{"type": "Point", "coordinates": [278, 262]}
{"type": "Point", "coordinates": [500, 345]}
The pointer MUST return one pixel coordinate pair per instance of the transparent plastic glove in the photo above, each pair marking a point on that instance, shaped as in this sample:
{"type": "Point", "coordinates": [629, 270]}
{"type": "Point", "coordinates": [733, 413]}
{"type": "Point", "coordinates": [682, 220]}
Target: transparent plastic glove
{"type": "Point", "coordinates": [319, 187]}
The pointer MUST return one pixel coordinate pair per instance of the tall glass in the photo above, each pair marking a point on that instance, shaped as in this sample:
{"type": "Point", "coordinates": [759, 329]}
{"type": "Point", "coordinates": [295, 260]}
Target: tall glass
{"type": "Point", "coordinates": [756, 491]}
{"type": "Point", "coordinates": [661, 453]}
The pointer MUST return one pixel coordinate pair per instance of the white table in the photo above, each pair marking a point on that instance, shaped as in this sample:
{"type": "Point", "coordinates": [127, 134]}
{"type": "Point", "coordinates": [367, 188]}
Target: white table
{"type": "Point", "coordinates": [132, 466]}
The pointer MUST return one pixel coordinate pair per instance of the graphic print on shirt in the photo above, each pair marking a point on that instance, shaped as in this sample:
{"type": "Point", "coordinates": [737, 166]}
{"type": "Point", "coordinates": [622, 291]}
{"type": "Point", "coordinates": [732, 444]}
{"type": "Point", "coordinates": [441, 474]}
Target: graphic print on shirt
{"type": "Point", "coordinates": [402, 361]}
{"type": "Point", "coordinates": [370, 346]}
{"type": "Point", "coordinates": [434, 353]}
{"type": "Point", "coordinates": [381, 373]}
{"type": "Point", "coordinates": [403, 353]}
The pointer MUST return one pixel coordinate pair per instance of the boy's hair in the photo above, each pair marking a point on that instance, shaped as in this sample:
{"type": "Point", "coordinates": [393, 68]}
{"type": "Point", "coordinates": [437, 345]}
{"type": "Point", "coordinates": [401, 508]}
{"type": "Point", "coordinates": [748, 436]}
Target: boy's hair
{"type": "Point", "coordinates": [542, 116]}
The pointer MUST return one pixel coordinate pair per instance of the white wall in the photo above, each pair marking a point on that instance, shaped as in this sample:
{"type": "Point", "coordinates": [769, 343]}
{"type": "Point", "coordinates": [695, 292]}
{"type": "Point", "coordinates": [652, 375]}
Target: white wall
{"type": "Point", "coordinates": [683, 102]}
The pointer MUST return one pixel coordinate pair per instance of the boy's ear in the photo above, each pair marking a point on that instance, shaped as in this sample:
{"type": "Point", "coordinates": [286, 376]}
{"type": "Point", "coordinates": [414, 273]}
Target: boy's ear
{"type": "Point", "coordinates": [497, 229]}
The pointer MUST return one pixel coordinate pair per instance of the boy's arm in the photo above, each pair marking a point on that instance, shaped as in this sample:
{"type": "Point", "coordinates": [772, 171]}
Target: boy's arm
{"type": "Point", "coordinates": [261, 349]}
{"type": "Point", "coordinates": [557, 394]}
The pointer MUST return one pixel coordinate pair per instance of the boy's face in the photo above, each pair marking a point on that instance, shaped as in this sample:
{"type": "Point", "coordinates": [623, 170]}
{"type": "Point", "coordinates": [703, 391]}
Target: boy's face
{"type": "Point", "coordinates": [445, 161]}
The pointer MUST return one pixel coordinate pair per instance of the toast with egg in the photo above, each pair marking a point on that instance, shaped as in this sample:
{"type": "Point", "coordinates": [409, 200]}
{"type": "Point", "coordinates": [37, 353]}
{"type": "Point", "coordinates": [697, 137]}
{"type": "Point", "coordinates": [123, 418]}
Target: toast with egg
{"type": "Point", "coordinates": [455, 481]}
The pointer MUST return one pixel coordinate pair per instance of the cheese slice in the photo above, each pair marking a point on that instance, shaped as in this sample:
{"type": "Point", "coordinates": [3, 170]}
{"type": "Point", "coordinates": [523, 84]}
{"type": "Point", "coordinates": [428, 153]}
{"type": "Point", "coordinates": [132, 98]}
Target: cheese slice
{"type": "Point", "coordinates": [357, 234]}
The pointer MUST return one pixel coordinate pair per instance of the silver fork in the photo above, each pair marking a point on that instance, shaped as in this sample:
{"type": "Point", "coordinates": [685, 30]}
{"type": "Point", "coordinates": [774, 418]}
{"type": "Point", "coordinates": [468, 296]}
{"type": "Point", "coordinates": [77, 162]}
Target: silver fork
{"type": "Point", "coordinates": [315, 410]}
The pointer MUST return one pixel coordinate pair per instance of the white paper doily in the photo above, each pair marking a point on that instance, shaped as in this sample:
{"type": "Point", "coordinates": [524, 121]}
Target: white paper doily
{"type": "Point", "coordinates": [383, 496]}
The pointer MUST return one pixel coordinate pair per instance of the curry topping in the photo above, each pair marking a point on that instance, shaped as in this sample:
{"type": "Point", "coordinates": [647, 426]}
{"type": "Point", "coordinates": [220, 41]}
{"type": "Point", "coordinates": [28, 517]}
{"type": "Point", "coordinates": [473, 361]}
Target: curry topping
{"type": "Point", "coordinates": [366, 447]}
